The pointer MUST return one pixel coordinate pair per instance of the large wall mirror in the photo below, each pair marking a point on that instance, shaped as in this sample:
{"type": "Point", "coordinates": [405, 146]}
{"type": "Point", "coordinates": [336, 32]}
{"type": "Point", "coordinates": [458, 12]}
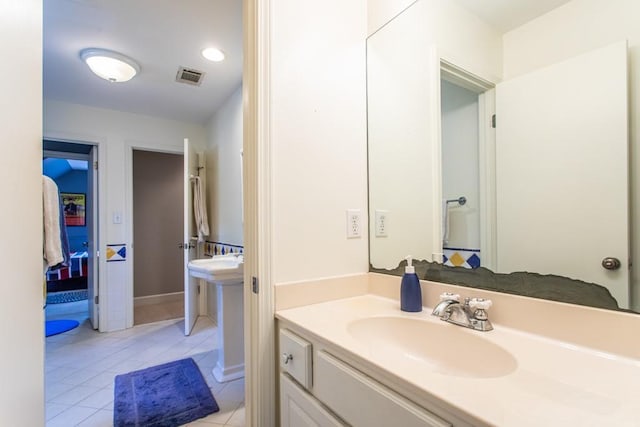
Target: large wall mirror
{"type": "Point", "coordinates": [502, 147]}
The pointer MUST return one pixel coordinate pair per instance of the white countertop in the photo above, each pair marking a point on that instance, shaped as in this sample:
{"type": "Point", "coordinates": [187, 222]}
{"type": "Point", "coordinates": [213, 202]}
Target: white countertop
{"type": "Point", "coordinates": [553, 384]}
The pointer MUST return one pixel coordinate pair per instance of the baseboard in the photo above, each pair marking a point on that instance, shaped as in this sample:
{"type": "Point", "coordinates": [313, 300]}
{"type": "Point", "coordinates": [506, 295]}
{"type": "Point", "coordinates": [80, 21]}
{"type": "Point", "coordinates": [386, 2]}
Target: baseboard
{"type": "Point", "coordinates": [158, 299]}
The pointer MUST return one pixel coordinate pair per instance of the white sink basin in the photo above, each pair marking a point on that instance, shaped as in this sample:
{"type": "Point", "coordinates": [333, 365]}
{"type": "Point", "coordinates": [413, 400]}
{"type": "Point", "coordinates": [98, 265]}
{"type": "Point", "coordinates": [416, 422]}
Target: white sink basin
{"type": "Point", "coordinates": [222, 269]}
{"type": "Point", "coordinates": [442, 347]}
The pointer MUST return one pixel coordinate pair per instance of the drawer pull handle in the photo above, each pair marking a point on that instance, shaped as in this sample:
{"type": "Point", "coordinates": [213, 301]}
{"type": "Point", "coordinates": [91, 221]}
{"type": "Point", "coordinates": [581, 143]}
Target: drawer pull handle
{"type": "Point", "coordinates": [286, 357]}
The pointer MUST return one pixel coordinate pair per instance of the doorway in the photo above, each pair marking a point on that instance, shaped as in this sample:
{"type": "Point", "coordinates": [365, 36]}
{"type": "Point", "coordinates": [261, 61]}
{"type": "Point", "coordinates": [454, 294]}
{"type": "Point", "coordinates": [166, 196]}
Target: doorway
{"type": "Point", "coordinates": [72, 289]}
{"type": "Point", "coordinates": [460, 176]}
{"type": "Point", "coordinates": [467, 114]}
{"type": "Point", "coordinates": [158, 266]}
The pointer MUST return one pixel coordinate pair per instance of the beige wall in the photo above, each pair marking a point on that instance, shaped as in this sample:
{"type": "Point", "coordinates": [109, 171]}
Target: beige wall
{"type": "Point", "coordinates": [224, 172]}
{"type": "Point", "coordinates": [157, 223]}
{"type": "Point", "coordinates": [379, 12]}
{"type": "Point", "coordinates": [21, 313]}
{"type": "Point", "coordinates": [318, 136]}
{"type": "Point", "coordinates": [459, 36]}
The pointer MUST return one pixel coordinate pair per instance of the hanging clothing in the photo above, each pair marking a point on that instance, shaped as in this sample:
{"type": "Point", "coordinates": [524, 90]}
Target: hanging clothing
{"type": "Point", "coordinates": [52, 251]}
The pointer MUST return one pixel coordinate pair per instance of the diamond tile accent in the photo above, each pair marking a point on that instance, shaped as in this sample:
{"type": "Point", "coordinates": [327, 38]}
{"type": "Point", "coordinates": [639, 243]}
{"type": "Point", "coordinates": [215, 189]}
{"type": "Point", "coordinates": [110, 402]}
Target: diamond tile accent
{"type": "Point", "coordinates": [459, 257]}
{"type": "Point", "coordinates": [219, 248]}
{"type": "Point", "coordinates": [474, 261]}
{"type": "Point", "coordinates": [457, 260]}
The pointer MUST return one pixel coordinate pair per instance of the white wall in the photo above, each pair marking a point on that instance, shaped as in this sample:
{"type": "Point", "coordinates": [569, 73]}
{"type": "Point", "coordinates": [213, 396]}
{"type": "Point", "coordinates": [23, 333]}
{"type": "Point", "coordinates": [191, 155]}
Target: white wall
{"type": "Point", "coordinates": [21, 313]}
{"type": "Point", "coordinates": [318, 136]}
{"type": "Point", "coordinates": [117, 133]}
{"type": "Point", "coordinates": [224, 172]}
{"type": "Point", "coordinates": [575, 28]}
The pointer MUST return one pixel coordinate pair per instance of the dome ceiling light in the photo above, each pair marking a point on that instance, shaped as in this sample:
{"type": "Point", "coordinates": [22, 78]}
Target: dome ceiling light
{"type": "Point", "coordinates": [109, 65]}
{"type": "Point", "coordinates": [213, 54]}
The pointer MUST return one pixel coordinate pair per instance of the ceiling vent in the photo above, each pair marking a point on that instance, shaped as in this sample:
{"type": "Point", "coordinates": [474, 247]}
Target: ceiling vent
{"type": "Point", "coordinates": [189, 76]}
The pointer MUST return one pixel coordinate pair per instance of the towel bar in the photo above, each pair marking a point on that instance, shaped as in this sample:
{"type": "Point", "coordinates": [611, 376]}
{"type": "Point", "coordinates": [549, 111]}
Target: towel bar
{"type": "Point", "coordinates": [460, 200]}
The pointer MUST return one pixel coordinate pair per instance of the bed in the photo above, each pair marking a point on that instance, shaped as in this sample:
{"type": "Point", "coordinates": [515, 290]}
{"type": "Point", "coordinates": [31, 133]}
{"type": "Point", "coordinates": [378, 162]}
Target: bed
{"type": "Point", "coordinates": [72, 277]}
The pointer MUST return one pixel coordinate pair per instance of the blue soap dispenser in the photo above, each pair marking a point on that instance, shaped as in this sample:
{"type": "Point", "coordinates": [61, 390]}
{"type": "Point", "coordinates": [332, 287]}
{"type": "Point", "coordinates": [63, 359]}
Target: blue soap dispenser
{"type": "Point", "coordinates": [410, 291]}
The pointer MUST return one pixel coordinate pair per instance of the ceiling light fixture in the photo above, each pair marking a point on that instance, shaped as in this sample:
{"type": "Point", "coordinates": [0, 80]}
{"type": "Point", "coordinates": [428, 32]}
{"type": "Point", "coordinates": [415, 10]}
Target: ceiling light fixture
{"type": "Point", "coordinates": [213, 54]}
{"type": "Point", "coordinates": [109, 65]}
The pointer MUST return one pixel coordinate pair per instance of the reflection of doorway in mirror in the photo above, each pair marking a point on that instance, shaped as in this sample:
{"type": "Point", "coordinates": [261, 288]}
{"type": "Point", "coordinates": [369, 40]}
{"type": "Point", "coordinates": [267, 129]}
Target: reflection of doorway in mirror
{"type": "Point", "coordinates": [465, 148]}
{"type": "Point", "coordinates": [460, 222]}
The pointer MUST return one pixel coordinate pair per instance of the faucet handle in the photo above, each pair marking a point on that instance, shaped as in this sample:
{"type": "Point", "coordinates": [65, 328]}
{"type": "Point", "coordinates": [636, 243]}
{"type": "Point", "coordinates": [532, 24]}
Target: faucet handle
{"type": "Point", "coordinates": [480, 303]}
{"type": "Point", "coordinates": [448, 296]}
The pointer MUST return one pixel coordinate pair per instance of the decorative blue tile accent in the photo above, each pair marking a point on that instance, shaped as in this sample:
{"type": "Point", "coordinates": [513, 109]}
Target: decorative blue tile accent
{"type": "Point", "coordinates": [117, 252]}
{"type": "Point", "coordinates": [219, 248]}
{"type": "Point", "coordinates": [474, 261]}
{"type": "Point", "coordinates": [461, 257]}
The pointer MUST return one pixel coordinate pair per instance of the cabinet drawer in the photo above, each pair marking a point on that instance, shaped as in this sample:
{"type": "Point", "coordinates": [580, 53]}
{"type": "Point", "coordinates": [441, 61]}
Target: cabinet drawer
{"type": "Point", "coordinates": [295, 357]}
{"type": "Point", "coordinates": [338, 384]}
{"type": "Point", "coordinates": [299, 409]}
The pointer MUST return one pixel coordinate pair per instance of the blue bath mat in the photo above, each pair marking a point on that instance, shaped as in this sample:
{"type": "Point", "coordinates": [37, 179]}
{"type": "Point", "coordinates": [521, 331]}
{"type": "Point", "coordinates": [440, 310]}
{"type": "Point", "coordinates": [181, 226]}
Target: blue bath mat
{"type": "Point", "coordinates": [55, 327]}
{"type": "Point", "coordinates": [67, 296]}
{"type": "Point", "coordinates": [167, 395]}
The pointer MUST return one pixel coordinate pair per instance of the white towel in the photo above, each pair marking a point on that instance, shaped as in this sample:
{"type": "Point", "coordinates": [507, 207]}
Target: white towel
{"type": "Point", "coordinates": [52, 250]}
{"type": "Point", "coordinates": [445, 223]}
{"type": "Point", "coordinates": [200, 209]}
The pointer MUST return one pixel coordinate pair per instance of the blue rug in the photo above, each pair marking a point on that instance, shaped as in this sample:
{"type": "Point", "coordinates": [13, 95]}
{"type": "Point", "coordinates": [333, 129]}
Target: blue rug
{"type": "Point", "coordinates": [55, 327]}
{"type": "Point", "coordinates": [67, 296]}
{"type": "Point", "coordinates": [167, 395]}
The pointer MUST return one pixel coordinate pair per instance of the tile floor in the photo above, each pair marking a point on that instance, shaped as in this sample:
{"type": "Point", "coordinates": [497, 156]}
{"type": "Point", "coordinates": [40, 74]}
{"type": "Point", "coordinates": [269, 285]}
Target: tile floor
{"type": "Point", "coordinates": [156, 312]}
{"type": "Point", "coordinates": [80, 366]}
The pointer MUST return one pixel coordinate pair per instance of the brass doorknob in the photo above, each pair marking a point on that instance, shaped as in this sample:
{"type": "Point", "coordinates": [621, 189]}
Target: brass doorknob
{"type": "Point", "coordinates": [611, 263]}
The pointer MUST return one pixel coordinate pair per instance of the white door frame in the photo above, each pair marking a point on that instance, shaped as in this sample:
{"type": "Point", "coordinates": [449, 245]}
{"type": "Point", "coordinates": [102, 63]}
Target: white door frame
{"type": "Point", "coordinates": [100, 145]}
{"type": "Point", "coordinates": [486, 151]}
{"type": "Point", "coordinates": [259, 321]}
{"type": "Point", "coordinates": [128, 214]}
{"type": "Point", "coordinates": [92, 229]}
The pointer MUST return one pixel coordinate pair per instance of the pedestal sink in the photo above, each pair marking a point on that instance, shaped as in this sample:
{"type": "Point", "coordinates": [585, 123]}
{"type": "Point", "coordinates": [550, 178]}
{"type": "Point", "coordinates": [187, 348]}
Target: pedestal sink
{"type": "Point", "coordinates": [226, 272]}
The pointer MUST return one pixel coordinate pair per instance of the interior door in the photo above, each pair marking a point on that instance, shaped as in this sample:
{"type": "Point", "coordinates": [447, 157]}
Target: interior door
{"type": "Point", "coordinates": [562, 170]}
{"type": "Point", "coordinates": [92, 237]}
{"type": "Point", "coordinates": [191, 304]}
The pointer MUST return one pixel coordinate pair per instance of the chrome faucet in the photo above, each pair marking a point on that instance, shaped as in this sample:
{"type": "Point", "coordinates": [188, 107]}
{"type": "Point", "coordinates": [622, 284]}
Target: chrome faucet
{"type": "Point", "coordinates": [471, 314]}
{"type": "Point", "coordinates": [446, 299]}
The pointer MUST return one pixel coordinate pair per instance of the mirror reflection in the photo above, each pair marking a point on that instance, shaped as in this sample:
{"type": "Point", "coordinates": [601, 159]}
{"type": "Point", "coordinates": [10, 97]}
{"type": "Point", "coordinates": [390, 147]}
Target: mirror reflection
{"type": "Point", "coordinates": [499, 150]}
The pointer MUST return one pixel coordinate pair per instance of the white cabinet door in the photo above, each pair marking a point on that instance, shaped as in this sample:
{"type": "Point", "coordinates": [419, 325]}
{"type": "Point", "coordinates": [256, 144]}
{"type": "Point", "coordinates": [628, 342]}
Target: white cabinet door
{"type": "Point", "coordinates": [562, 170]}
{"type": "Point", "coordinates": [300, 409]}
{"type": "Point", "coordinates": [362, 401]}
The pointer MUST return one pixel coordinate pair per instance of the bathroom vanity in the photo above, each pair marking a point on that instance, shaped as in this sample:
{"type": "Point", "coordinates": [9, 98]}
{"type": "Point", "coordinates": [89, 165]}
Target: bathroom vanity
{"type": "Point", "coordinates": [321, 384]}
{"type": "Point", "coordinates": [361, 361]}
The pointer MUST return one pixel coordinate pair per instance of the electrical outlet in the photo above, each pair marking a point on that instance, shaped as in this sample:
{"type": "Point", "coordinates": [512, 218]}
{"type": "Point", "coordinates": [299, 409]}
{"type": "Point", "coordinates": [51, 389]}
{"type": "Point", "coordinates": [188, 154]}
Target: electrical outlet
{"type": "Point", "coordinates": [382, 218]}
{"type": "Point", "coordinates": [354, 223]}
